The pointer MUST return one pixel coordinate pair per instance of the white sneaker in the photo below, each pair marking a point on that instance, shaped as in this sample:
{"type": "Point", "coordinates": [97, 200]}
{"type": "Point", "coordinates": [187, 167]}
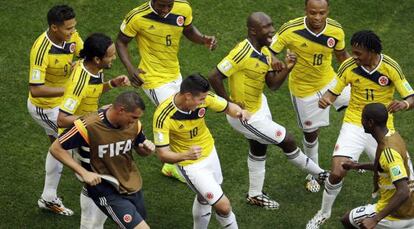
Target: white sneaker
{"type": "Point", "coordinates": [55, 206]}
{"type": "Point", "coordinates": [317, 220]}
{"type": "Point", "coordinates": [312, 184]}
{"type": "Point", "coordinates": [263, 201]}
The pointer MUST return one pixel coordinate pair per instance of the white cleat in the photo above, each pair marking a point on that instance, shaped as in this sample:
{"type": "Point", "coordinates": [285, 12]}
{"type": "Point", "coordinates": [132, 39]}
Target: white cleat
{"type": "Point", "coordinates": [55, 206]}
{"type": "Point", "coordinates": [263, 201]}
{"type": "Point", "coordinates": [317, 220]}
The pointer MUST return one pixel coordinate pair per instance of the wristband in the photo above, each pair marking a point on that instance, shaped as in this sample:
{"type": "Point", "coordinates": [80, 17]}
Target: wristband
{"type": "Point", "coordinates": [408, 104]}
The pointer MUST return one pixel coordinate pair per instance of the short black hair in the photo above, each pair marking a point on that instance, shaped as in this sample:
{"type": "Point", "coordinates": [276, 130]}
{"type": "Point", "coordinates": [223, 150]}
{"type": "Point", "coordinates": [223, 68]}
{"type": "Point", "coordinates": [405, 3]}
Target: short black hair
{"type": "Point", "coordinates": [376, 112]}
{"type": "Point", "coordinates": [130, 100]}
{"type": "Point", "coordinates": [195, 84]}
{"type": "Point", "coordinates": [367, 39]}
{"type": "Point", "coordinates": [306, 2]}
{"type": "Point", "coordinates": [58, 14]}
{"type": "Point", "coordinates": [95, 45]}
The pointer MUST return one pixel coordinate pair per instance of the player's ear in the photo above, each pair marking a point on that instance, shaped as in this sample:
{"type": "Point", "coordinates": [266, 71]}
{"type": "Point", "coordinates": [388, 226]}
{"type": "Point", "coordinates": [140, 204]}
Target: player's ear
{"type": "Point", "coordinates": [96, 60]}
{"type": "Point", "coordinates": [53, 27]}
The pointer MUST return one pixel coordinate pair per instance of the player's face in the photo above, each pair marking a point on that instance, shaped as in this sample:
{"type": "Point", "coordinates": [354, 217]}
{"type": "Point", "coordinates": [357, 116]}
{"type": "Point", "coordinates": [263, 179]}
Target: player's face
{"type": "Point", "coordinates": [192, 101]}
{"type": "Point", "coordinates": [361, 55]}
{"type": "Point", "coordinates": [265, 31]}
{"type": "Point", "coordinates": [162, 7]}
{"type": "Point", "coordinates": [316, 14]}
{"type": "Point", "coordinates": [126, 119]}
{"type": "Point", "coordinates": [64, 32]}
{"type": "Point", "coordinates": [110, 56]}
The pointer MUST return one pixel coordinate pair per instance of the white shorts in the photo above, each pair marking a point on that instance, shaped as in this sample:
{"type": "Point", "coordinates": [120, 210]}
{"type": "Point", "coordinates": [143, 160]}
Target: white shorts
{"type": "Point", "coordinates": [159, 94]}
{"type": "Point", "coordinates": [260, 126]}
{"type": "Point", "coordinates": [358, 214]}
{"type": "Point", "coordinates": [46, 118]}
{"type": "Point", "coordinates": [205, 178]}
{"type": "Point", "coordinates": [310, 117]}
{"type": "Point", "coordinates": [353, 140]}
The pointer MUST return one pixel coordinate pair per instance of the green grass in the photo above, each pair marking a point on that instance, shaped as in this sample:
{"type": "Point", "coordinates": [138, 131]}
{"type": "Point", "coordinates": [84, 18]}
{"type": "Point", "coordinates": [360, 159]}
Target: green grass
{"type": "Point", "coordinates": [168, 202]}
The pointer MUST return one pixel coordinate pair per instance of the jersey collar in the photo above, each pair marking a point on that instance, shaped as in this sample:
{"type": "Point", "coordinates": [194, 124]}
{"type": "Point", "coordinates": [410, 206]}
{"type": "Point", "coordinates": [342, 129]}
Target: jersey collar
{"type": "Point", "coordinates": [376, 68]}
{"type": "Point", "coordinates": [260, 53]}
{"type": "Point", "coordinates": [155, 12]}
{"type": "Point", "coordinates": [94, 76]}
{"type": "Point", "coordinates": [310, 31]}
{"type": "Point", "coordinates": [56, 45]}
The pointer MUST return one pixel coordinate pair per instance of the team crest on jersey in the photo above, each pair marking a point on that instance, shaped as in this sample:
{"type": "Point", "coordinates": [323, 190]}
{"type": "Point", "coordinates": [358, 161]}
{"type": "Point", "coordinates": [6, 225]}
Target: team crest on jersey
{"type": "Point", "coordinates": [330, 42]}
{"type": "Point", "coordinates": [127, 218]}
{"type": "Point", "coordinates": [180, 20]}
{"type": "Point", "coordinates": [209, 195]}
{"type": "Point", "coordinates": [383, 80]}
{"type": "Point", "coordinates": [201, 112]}
{"type": "Point", "coordinates": [72, 47]}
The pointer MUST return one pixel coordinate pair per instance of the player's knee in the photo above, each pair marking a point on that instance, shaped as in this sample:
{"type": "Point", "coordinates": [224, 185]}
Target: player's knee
{"type": "Point", "coordinates": [223, 206]}
{"type": "Point", "coordinates": [288, 144]}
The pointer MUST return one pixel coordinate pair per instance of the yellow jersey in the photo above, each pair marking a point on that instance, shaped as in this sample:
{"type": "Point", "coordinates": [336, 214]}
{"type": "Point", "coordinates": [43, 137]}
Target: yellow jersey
{"type": "Point", "coordinates": [377, 86]}
{"type": "Point", "coordinates": [50, 65]}
{"type": "Point", "coordinates": [246, 69]}
{"type": "Point", "coordinates": [83, 92]}
{"type": "Point", "coordinates": [158, 40]}
{"type": "Point", "coordinates": [180, 130]}
{"type": "Point", "coordinates": [394, 164]}
{"type": "Point", "coordinates": [313, 69]}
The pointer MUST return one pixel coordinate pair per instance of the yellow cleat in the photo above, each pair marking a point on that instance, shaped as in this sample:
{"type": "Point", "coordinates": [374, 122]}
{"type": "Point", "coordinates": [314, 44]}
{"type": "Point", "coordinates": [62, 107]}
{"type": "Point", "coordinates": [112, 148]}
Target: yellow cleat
{"type": "Point", "coordinates": [170, 170]}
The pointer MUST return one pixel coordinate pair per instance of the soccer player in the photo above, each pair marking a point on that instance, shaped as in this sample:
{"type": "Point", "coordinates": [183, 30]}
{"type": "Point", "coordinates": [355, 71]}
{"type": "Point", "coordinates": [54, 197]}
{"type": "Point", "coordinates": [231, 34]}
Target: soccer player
{"type": "Point", "coordinates": [393, 177]}
{"type": "Point", "coordinates": [373, 77]}
{"type": "Point", "coordinates": [248, 67]}
{"type": "Point", "coordinates": [113, 181]}
{"type": "Point", "coordinates": [157, 26]}
{"type": "Point", "coordinates": [50, 63]}
{"type": "Point", "coordinates": [82, 97]}
{"type": "Point", "coordinates": [313, 38]}
{"type": "Point", "coordinates": [182, 137]}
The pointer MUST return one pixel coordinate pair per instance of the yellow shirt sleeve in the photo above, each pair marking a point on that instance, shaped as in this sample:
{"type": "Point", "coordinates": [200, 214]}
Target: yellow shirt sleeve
{"type": "Point", "coordinates": [393, 164]}
{"type": "Point", "coordinates": [341, 42]}
{"type": "Point", "coordinates": [79, 43]}
{"type": "Point", "coordinates": [401, 84]}
{"type": "Point", "coordinates": [216, 103]}
{"type": "Point", "coordinates": [161, 133]}
{"type": "Point", "coordinates": [188, 16]}
{"type": "Point", "coordinates": [38, 66]}
{"type": "Point", "coordinates": [278, 43]}
{"type": "Point", "coordinates": [130, 27]}
{"type": "Point", "coordinates": [228, 66]}
{"type": "Point", "coordinates": [342, 79]}
{"type": "Point", "coordinates": [74, 93]}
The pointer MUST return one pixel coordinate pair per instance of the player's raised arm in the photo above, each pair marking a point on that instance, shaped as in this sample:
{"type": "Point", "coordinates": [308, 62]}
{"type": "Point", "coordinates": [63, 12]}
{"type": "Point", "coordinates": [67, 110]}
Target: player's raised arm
{"type": "Point", "coordinates": [341, 55]}
{"type": "Point", "coordinates": [275, 79]}
{"type": "Point", "coordinates": [167, 156]}
{"type": "Point", "coordinates": [194, 35]}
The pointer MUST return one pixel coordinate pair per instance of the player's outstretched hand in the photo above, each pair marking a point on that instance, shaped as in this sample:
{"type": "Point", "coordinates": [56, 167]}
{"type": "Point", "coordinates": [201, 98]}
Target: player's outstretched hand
{"type": "Point", "coordinates": [368, 223]}
{"type": "Point", "coordinates": [135, 78]}
{"type": "Point", "coordinates": [396, 105]}
{"type": "Point", "coordinates": [243, 115]}
{"type": "Point", "coordinates": [193, 153]}
{"type": "Point", "coordinates": [91, 178]}
{"type": "Point", "coordinates": [348, 165]}
{"type": "Point", "coordinates": [277, 64]}
{"type": "Point", "coordinates": [147, 147]}
{"type": "Point", "coordinates": [210, 42]}
{"type": "Point", "coordinates": [121, 81]}
{"type": "Point", "coordinates": [290, 59]}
